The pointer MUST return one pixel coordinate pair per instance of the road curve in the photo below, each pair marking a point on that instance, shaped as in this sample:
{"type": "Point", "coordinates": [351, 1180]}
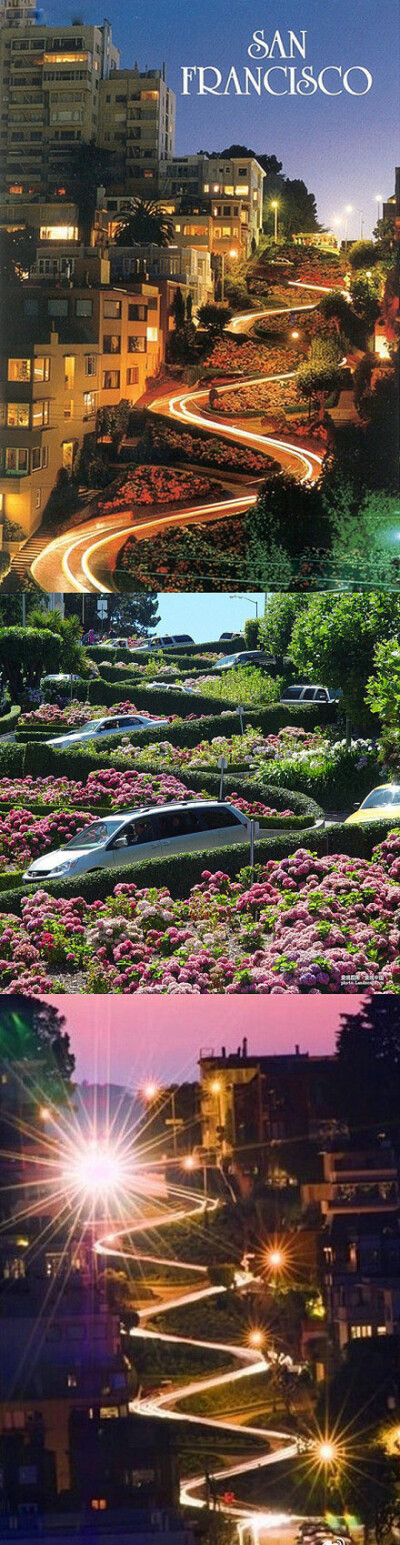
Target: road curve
{"type": "Point", "coordinates": [81, 560]}
{"type": "Point", "coordinates": [280, 1445]}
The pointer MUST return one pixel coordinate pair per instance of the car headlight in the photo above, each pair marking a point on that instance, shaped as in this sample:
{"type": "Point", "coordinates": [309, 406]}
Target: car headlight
{"type": "Point", "coordinates": [65, 867]}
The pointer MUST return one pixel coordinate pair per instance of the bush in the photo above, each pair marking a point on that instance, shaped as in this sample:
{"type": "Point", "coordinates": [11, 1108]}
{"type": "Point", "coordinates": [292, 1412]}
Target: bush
{"type": "Point", "coordinates": [9, 720]}
{"type": "Point", "coordinates": [252, 632]}
{"type": "Point", "coordinates": [12, 759]}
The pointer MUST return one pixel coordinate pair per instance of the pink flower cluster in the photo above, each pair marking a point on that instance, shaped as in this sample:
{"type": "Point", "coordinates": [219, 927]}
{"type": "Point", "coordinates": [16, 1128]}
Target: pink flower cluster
{"type": "Point", "coordinates": [306, 925]}
{"type": "Point", "coordinates": [24, 836]}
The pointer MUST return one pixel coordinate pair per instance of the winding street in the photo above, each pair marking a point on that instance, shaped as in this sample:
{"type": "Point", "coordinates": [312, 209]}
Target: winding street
{"type": "Point", "coordinates": [82, 560]}
{"type": "Point", "coordinates": [272, 1446]}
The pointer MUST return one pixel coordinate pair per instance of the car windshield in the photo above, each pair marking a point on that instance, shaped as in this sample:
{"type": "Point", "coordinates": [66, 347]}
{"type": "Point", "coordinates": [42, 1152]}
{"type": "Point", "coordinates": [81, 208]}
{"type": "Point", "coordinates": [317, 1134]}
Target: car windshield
{"type": "Point", "coordinates": [226, 659]}
{"type": "Point", "coordinates": [95, 834]}
{"type": "Point", "coordinates": [390, 795]}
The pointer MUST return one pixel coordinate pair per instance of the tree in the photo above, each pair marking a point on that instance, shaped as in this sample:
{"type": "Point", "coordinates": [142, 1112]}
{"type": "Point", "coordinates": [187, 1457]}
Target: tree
{"type": "Point", "coordinates": [67, 629]}
{"type": "Point", "coordinates": [178, 309]}
{"type": "Point", "coordinates": [214, 317]}
{"type": "Point", "coordinates": [383, 696]}
{"type": "Point", "coordinates": [364, 292]}
{"type": "Point", "coordinates": [251, 632]}
{"type": "Point", "coordinates": [321, 374]}
{"type": "Point", "coordinates": [276, 625]}
{"type": "Point", "coordinates": [368, 1066]}
{"type": "Point", "coordinates": [89, 170]}
{"type": "Point", "coordinates": [363, 254]}
{"type": "Point", "coordinates": [189, 307]}
{"type": "Point", "coordinates": [134, 614]}
{"type": "Point", "coordinates": [365, 548]}
{"type": "Point", "coordinates": [26, 654]}
{"type": "Point", "coordinates": [280, 527]}
{"type": "Point", "coordinates": [113, 422]}
{"type": "Point", "coordinates": [145, 223]}
{"type": "Point", "coordinates": [334, 640]}
{"type": "Point", "coordinates": [17, 253]}
{"type": "Point", "coordinates": [32, 1032]}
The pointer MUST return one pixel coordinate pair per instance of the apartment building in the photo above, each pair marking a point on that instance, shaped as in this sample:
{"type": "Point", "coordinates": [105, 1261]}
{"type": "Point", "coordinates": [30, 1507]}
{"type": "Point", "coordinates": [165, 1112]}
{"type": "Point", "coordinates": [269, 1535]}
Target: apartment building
{"type": "Point", "coordinates": [362, 1243]}
{"type": "Point", "coordinates": [184, 266]}
{"type": "Point", "coordinates": [222, 181]}
{"type": "Point", "coordinates": [50, 82]}
{"type": "Point", "coordinates": [66, 352]}
{"type": "Point", "coordinates": [137, 127]}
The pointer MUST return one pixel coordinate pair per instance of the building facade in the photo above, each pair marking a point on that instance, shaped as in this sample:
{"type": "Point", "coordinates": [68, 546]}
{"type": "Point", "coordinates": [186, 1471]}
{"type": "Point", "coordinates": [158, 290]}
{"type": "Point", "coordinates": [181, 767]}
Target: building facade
{"type": "Point", "coordinates": [224, 181]}
{"type": "Point", "coordinates": [50, 79]}
{"type": "Point", "coordinates": [137, 127]}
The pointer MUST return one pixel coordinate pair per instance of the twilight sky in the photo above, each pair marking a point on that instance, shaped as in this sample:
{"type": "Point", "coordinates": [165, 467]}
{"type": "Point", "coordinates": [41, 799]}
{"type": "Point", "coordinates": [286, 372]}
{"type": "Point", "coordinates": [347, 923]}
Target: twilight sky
{"type": "Point", "coordinates": [129, 1040]}
{"type": "Point", "coordinates": [344, 147]}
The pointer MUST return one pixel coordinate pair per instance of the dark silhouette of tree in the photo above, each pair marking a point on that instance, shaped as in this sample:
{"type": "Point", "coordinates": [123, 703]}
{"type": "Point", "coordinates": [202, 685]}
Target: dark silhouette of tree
{"type": "Point", "coordinates": [32, 1032]}
{"type": "Point", "coordinates": [17, 252]}
{"type": "Point", "coordinates": [368, 1066]}
{"type": "Point", "coordinates": [178, 309]}
{"type": "Point", "coordinates": [145, 223]}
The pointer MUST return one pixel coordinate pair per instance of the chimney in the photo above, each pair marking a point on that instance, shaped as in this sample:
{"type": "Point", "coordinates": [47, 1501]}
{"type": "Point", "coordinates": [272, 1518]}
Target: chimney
{"type": "Point", "coordinates": [244, 1048]}
{"type": "Point", "coordinates": [223, 1053]}
{"type": "Point", "coordinates": [297, 1050]}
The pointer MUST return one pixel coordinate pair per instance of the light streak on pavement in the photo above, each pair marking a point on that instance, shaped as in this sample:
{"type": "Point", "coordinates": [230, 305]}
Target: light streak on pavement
{"type": "Point", "coordinates": [72, 561]}
{"type": "Point", "coordinates": [273, 1446]}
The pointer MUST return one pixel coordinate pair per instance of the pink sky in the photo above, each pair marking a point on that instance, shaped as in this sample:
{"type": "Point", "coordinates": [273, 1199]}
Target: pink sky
{"type": "Point", "coordinates": [126, 1040]}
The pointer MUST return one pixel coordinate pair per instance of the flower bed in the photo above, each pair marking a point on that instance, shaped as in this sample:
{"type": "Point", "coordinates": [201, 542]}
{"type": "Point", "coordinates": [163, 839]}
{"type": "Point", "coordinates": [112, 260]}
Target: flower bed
{"type": "Point", "coordinates": [252, 358]}
{"type": "Point", "coordinates": [306, 924]}
{"type": "Point", "coordinates": [167, 443]}
{"type": "Point", "coordinates": [256, 399]}
{"type": "Point", "coordinates": [24, 837]}
{"type": "Point", "coordinates": [157, 485]}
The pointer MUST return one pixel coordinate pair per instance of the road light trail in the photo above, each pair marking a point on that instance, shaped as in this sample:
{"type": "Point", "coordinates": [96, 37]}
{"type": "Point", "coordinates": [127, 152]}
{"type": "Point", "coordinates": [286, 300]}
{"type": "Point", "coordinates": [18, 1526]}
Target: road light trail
{"type": "Point", "coordinates": [69, 561]}
{"type": "Point", "coordinates": [163, 1404]}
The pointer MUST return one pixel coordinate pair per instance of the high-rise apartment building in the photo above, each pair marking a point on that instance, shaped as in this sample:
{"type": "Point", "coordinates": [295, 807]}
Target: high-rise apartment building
{"type": "Point", "coordinates": [50, 86]}
{"type": "Point", "coordinates": [137, 127]}
{"type": "Point", "coordinates": [227, 182]}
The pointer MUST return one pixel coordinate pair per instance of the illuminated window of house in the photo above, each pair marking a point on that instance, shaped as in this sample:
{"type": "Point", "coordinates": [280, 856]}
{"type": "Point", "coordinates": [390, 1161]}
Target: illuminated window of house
{"type": "Point", "coordinates": [136, 313]}
{"type": "Point", "coordinates": [90, 365]}
{"type": "Point", "coordinates": [111, 343]}
{"type": "Point", "coordinates": [40, 414]}
{"type": "Point", "coordinates": [132, 375]}
{"type": "Point", "coordinates": [112, 308]}
{"type": "Point", "coordinates": [89, 403]}
{"type": "Point", "coordinates": [68, 454]}
{"type": "Point", "coordinates": [136, 345]}
{"type": "Point", "coordinates": [69, 371]}
{"type": "Point", "coordinates": [111, 380]}
{"type": "Point", "coordinates": [19, 369]}
{"type": "Point", "coordinates": [18, 415]}
{"type": "Point", "coordinates": [17, 460]}
{"type": "Point", "coordinates": [241, 189]}
{"type": "Point", "coordinates": [152, 334]}
{"type": "Point", "coordinates": [41, 368]}
{"type": "Point", "coordinates": [69, 408]}
{"type": "Point", "coordinates": [58, 232]}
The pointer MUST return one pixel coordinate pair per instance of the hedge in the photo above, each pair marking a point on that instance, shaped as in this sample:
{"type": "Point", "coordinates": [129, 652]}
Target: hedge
{"type": "Point", "coordinates": [181, 872]}
{"type": "Point", "coordinates": [114, 653]}
{"type": "Point", "coordinates": [272, 718]}
{"type": "Point", "coordinates": [12, 759]}
{"type": "Point", "coordinates": [9, 720]}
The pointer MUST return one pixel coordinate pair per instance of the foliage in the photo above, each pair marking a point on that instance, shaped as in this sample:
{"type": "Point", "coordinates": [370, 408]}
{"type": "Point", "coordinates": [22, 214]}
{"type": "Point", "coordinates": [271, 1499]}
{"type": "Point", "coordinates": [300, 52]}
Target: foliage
{"type": "Point", "coordinates": [33, 1031]}
{"type": "Point", "coordinates": [368, 1063]}
{"type": "Point", "coordinates": [363, 254]}
{"type": "Point", "coordinates": [17, 253]}
{"type": "Point", "coordinates": [335, 639]}
{"type": "Point", "coordinates": [321, 374]}
{"type": "Point", "coordinates": [214, 318]}
{"type": "Point", "coordinates": [72, 657]}
{"type": "Point", "coordinates": [251, 632]}
{"type": "Point", "coordinates": [26, 654]}
{"type": "Point", "coordinates": [383, 696]}
{"type": "Point", "coordinates": [277, 623]}
{"type": "Point", "coordinates": [145, 223]}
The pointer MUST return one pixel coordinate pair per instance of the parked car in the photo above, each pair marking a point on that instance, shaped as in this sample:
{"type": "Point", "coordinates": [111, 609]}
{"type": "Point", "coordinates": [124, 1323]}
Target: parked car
{"type": "Point", "coordinates": [229, 662]}
{"type": "Point", "coordinates": [167, 641]}
{"type": "Point", "coordinates": [153, 832]}
{"type": "Point", "coordinates": [379, 803]}
{"type": "Point", "coordinates": [106, 726]}
{"type": "Point", "coordinates": [310, 694]}
{"type": "Point", "coordinates": [58, 682]}
{"type": "Point", "coordinates": [227, 636]}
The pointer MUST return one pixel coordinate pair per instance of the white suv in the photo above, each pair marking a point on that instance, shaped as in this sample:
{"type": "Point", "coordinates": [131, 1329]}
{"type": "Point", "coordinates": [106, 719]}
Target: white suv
{"type": "Point", "coordinates": [310, 694]}
{"type": "Point", "coordinates": [135, 835]}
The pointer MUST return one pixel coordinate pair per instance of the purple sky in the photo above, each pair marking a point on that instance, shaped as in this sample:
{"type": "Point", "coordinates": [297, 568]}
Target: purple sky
{"type": "Point", "coordinates": [128, 1040]}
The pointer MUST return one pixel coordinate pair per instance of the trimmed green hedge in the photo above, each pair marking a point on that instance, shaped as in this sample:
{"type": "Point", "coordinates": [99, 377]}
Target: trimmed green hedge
{"type": "Point", "coordinates": [12, 759]}
{"type": "Point", "coordinates": [9, 720]}
{"type": "Point", "coordinates": [181, 872]}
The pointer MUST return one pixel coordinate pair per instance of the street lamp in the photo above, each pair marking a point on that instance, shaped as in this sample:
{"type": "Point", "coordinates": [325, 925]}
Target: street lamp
{"type": "Point", "coordinates": [348, 211]}
{"type": "Point", "coordinates": [240, 597]}
{"type": "Point", "coordinates": [275, 207]}
{"type": "Point", "coordinates": [379, 202]}
{"type": "Point", "coordinates": [361, 214]}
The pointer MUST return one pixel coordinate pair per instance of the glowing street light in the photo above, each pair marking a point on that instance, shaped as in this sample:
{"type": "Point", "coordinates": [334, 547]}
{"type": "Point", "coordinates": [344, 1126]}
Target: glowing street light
{"type": "Point", "coordinates": [295, 334]}
{"type": "Point", "coordinates": [275, 207]}
{"type": "Point", "coordinates": [150, 1091]}
{"type": "Point", "coordinates": [275, 1259]}
{"type": "Point", "coordinates": [95, 1171]}
{"type": "Point", "coordinates": [327, 1452]}
{"type": "Point", "coordinates": [215, 1086]}
{"type": "Point", "coordinates": [379, 202]}
{"type": "Point", "coordinates": [348, 211]}
{"type": "Point", "coordinates": [256, 1339]}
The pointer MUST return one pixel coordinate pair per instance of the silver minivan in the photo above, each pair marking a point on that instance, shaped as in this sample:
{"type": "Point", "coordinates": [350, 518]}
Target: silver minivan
{"type": "Point", "coordinates": [134, 835]}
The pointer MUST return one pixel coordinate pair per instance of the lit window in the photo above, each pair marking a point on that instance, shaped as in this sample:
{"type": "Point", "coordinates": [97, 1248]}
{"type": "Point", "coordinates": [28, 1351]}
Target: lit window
{"type": "Point", "coordinates": [112, 308]}
{"type": "Point", "coordinates": [132, 375]}
{"type": "Point", "coordinates": [41, 369]}
{"type": "Point", "coordinates": [19, 370]}
{"type": "Point", "coordinates": [40, 414]}
{"type": "Point", "coordinates": [152, 334]}
{"type": "Point", "coordinates": [90, 365]}
{"type": "Point", "coordinates": [89, 403]}
{"type": "Point", "coordinates": [111, 343]}
{"type": "Point", "coordinates": [18, 415]}
{"type": "Point", "coordinates": [17, 460]}
{"type": "Point", "coordinates": [111, 380]}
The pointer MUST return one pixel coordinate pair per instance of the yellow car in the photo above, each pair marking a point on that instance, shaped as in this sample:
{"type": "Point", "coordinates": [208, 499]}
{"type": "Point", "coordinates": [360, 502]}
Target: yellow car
{"type": "Point", "coordinates": [381, 802]}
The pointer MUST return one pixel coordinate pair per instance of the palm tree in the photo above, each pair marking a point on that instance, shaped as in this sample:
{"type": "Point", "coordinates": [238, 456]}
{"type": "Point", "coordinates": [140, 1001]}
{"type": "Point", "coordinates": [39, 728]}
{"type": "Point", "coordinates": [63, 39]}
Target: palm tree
{"type": "Point", "coordinates": [145, 222]}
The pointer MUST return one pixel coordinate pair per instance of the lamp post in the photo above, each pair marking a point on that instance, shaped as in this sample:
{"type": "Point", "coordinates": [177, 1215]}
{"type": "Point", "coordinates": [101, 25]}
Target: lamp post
{"type": "Point", "coordinates": [348, 211]}
{"type": "Point", "coordinates": [275, 206]}
{"type": "Point", "coordinates": [379, 202]}
{"type": "Point", "coordinates": [361, 214]}
{"type": "Point", "coordinates": [240, 597]}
